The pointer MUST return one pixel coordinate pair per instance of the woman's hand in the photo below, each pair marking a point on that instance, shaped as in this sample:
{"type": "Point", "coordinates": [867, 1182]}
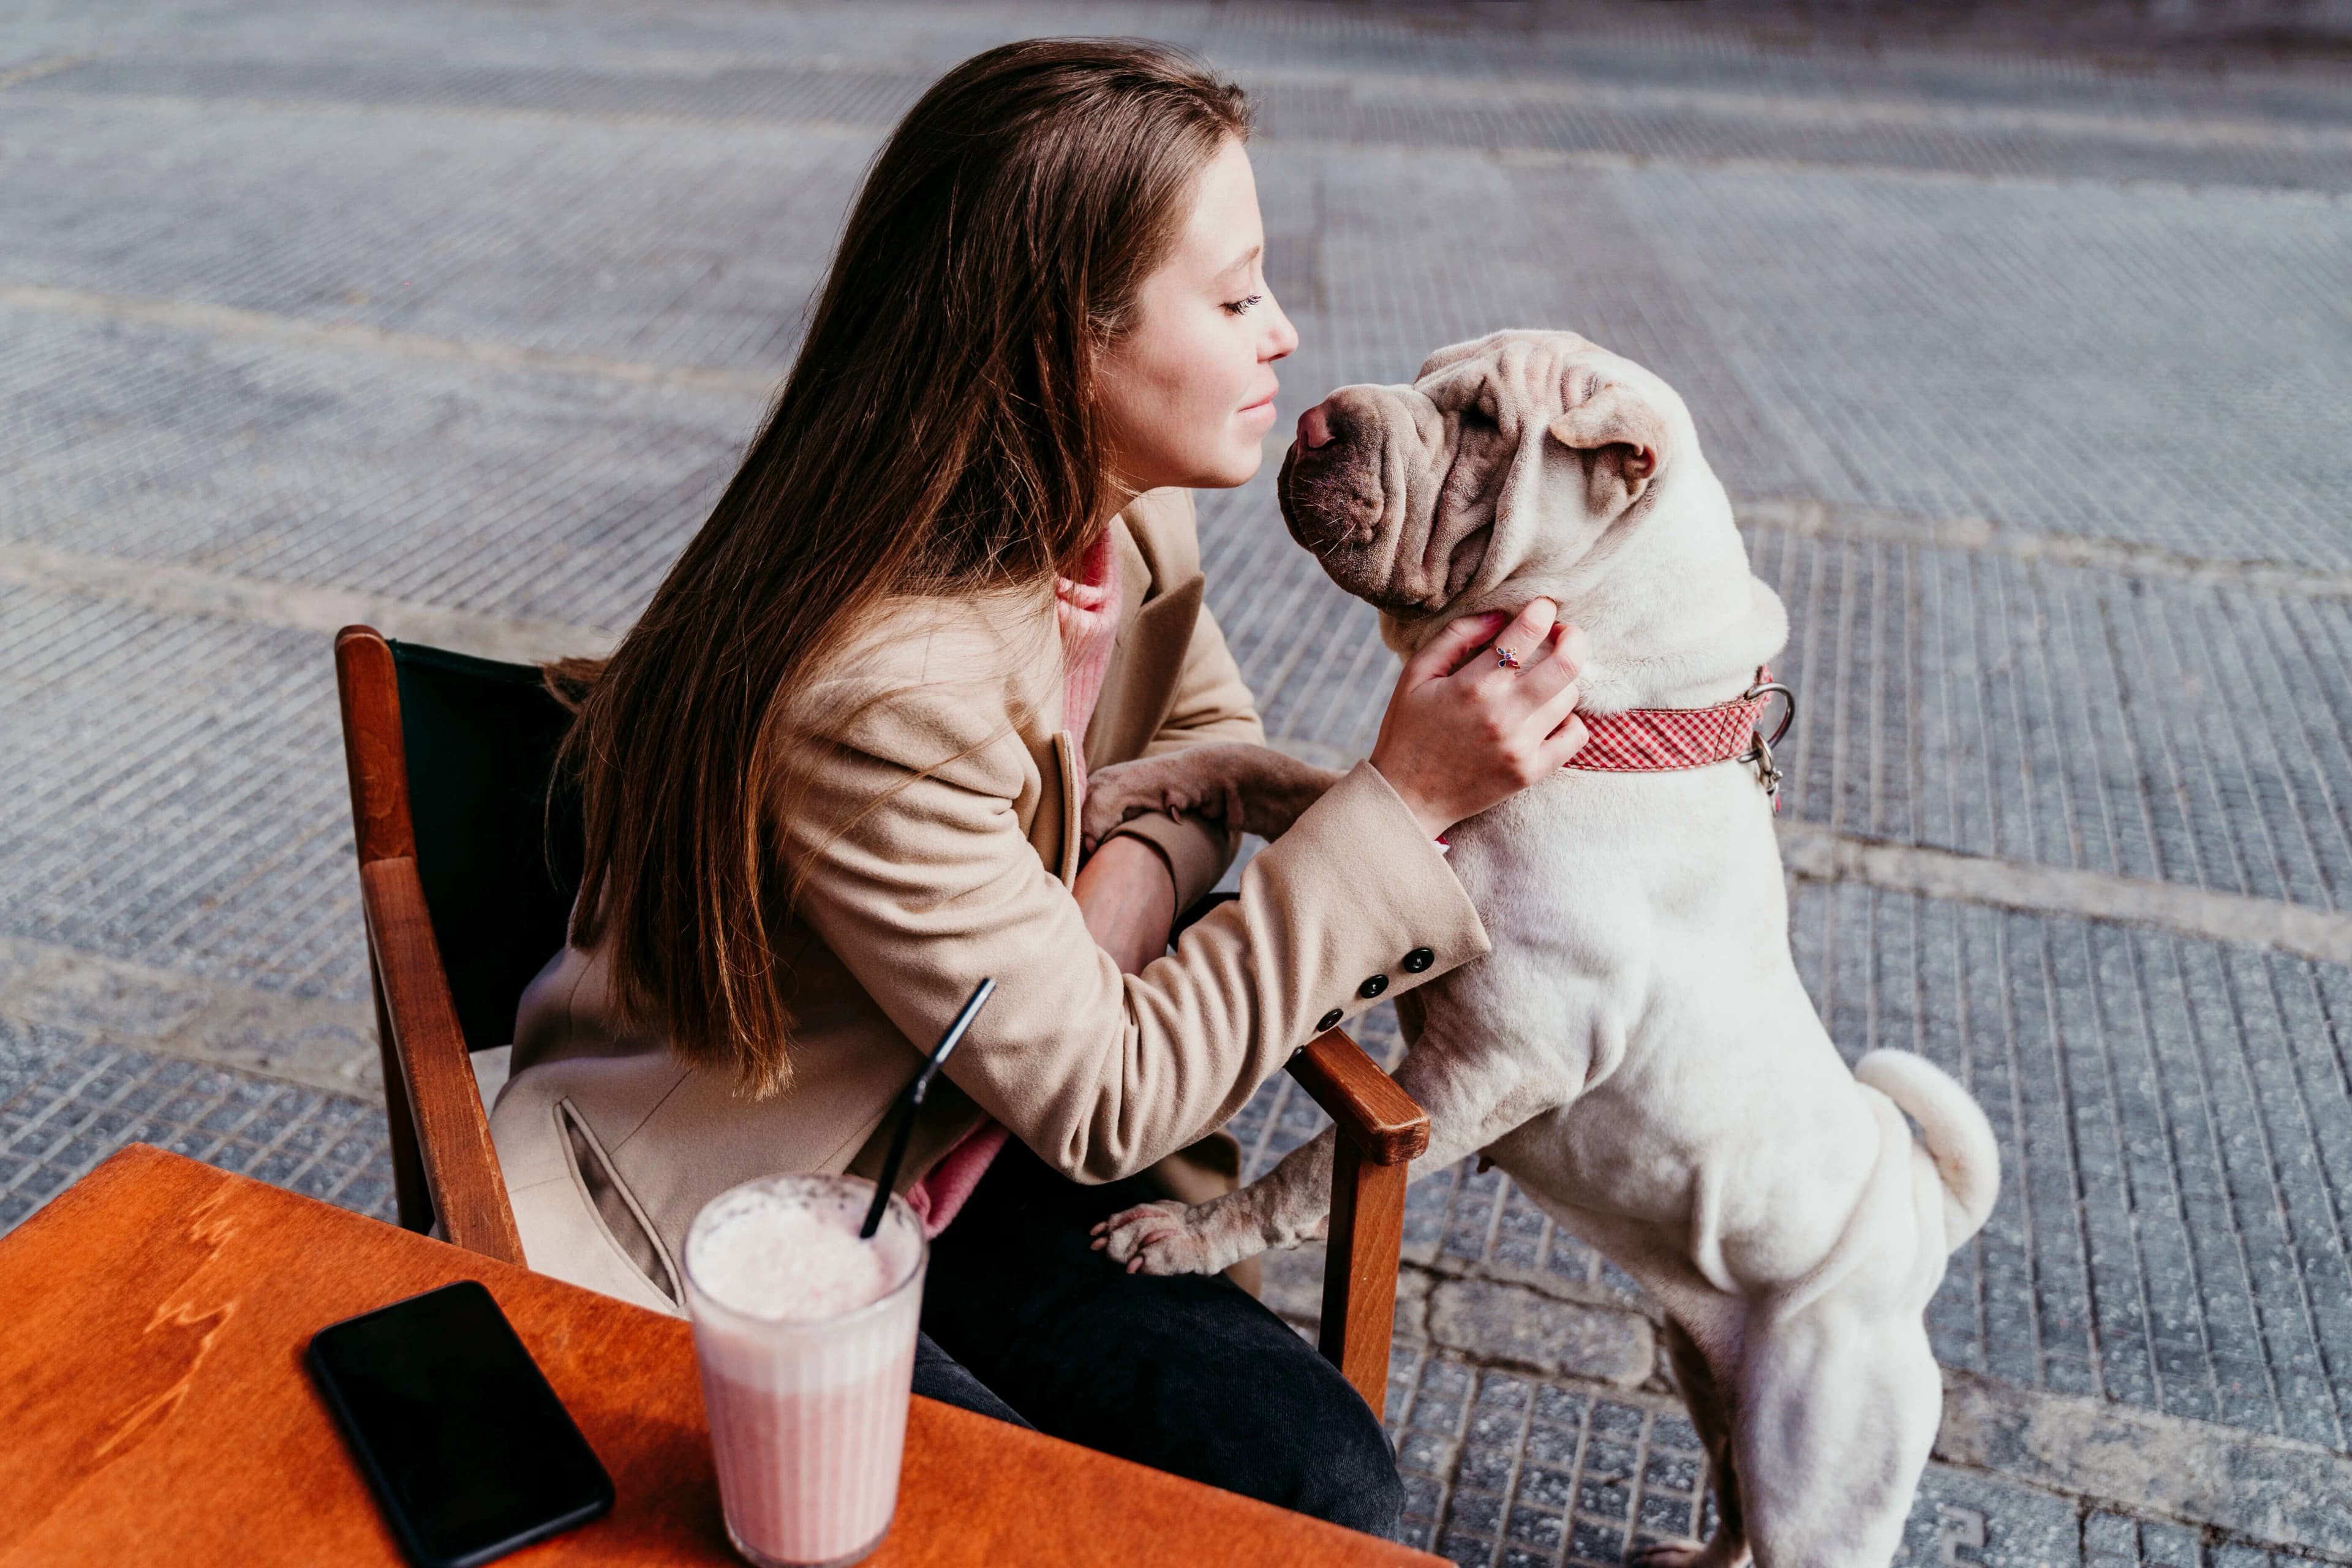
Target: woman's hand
{"type": "Point", "coordinates": [1129, 901]}
{"type": "Point", "coordinates": [1463, 732]}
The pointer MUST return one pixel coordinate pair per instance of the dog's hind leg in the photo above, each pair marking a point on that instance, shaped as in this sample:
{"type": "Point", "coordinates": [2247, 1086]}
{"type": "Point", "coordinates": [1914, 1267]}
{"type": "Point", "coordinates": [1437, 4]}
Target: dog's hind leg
{"type": "Point", "coordinates": [1710, 1411]}
{"type": "Point", "coordinates": [1836, 1409]}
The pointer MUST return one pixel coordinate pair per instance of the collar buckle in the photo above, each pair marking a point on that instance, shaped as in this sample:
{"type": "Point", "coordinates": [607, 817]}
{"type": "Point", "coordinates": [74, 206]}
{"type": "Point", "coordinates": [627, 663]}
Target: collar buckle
{"type": "Point", "coordinates": [1768, 772]}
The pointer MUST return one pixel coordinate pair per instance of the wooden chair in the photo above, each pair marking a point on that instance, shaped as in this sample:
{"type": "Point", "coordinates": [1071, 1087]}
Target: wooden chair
{"type": "Point", "coordinates": [466, 879]}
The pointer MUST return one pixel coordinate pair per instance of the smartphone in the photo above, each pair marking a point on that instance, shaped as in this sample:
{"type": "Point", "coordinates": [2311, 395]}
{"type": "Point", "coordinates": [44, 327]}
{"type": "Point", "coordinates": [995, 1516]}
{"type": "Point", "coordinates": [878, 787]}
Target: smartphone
{"type": "Point", "coordinates": [466, 1448]}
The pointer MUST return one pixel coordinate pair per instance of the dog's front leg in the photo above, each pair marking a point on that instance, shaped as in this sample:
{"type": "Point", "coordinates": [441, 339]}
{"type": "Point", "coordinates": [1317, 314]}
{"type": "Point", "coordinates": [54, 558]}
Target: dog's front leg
{"type": "Point", "coordinates": [1287, 1205]}
{"type": "Point", "coordinates": [1252, 789]}
{"type": "Point", "coordinates": [1473, 1097]}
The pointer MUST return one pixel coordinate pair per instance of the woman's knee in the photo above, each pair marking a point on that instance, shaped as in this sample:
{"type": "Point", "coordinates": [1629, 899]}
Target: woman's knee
{"type": "Point", "coordinates": [938, 1375]}
{"type": "Point", "coordinates": [1296, 1434]}
{"type": "Point", "coordinates": [1347, 1470]}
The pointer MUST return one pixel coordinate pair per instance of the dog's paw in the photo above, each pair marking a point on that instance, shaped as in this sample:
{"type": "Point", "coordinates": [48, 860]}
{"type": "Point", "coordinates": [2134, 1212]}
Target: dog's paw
{"type": "Point", "coordinates": [1158, 1238]}
{"type": "Point", "coordinates": [1137, 788]}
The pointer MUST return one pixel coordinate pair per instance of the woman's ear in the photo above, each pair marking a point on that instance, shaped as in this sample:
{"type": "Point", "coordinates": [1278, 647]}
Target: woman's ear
{"type": "Point", "coordinates": [1620, 437]}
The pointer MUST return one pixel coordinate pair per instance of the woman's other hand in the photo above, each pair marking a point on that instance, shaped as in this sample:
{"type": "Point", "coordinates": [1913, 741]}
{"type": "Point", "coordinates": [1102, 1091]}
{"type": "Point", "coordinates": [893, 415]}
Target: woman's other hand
{"type": "Point", "coordinates": [1464, 731]}
{"type": "Point", "coordinates": [1129, 900]}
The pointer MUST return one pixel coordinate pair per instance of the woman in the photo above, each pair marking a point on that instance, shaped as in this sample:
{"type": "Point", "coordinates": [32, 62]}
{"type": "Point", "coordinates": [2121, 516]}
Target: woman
{"type": "Point", "coordinates": [833, 777]}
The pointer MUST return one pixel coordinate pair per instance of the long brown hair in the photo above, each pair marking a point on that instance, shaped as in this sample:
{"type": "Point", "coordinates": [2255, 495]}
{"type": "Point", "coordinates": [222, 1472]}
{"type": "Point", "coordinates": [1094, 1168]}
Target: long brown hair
{"type": "Point", "coordinates": [937, 433]}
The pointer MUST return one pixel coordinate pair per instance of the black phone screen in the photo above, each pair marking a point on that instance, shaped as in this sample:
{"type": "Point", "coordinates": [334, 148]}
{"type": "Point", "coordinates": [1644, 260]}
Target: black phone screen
{"type": "Point", "coordinates": [465, 1444]}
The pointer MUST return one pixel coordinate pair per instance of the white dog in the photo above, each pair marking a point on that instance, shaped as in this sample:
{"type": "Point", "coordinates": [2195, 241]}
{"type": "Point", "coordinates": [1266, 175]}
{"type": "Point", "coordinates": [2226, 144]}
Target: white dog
{"type": "Point", "coordinates": [1637, 1052]}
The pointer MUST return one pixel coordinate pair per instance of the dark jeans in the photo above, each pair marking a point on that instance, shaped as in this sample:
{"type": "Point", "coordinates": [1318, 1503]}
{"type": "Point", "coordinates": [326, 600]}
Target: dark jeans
{"type": "Point", "coordinates": [1023, 1322]}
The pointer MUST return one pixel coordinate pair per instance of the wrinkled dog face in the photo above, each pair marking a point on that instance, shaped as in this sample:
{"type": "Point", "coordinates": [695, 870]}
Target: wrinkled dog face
{"type": "Point", "coordinates": [1523, 454]}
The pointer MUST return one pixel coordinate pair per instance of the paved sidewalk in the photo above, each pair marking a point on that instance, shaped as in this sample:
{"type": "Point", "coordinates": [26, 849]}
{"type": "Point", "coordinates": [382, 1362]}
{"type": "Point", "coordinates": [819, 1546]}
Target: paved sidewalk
{"type": "Point", "coordinates": [2021, 336]}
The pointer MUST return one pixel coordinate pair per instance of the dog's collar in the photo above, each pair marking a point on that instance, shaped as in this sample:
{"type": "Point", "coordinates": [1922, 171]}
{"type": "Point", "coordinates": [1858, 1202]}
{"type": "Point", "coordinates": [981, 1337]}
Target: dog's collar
{"type": "Point", "coordinates": [1669, 740]}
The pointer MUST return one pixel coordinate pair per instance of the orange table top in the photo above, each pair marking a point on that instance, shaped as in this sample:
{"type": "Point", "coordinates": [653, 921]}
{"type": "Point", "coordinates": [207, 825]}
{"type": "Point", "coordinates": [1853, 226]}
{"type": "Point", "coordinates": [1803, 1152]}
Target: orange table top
{"type": "Point", "coordinates": [153, 1393]}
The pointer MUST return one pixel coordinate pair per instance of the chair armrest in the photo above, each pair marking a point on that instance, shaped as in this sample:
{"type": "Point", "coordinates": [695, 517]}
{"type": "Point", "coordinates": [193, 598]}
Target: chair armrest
{"type": "Point", "coordinates": [1381, 1130]}
{"type": "Point", "coordinates": [461, 1168]}
{"type": "Point", "coordinates": [1373, 1112]}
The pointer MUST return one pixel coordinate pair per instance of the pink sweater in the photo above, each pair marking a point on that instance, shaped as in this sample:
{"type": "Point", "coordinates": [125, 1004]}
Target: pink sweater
{"type": "Point", "coordinates": [1087, 612]}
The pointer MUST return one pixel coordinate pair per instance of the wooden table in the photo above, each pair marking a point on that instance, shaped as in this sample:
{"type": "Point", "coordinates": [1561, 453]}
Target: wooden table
{"type": "Point", "coordinates": [152, 1395]}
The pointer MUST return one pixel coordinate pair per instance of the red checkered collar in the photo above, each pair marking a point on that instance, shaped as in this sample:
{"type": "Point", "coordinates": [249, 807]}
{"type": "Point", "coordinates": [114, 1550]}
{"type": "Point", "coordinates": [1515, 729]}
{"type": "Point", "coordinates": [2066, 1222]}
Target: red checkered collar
{"type": "Point", "coordinates": [1669, 740]}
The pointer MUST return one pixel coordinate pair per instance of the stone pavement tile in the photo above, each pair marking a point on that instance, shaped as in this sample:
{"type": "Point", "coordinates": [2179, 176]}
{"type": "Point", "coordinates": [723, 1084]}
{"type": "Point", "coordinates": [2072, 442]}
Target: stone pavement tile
{"type": "Point", "coordinates": [2171, 1545]}
{"type": "Point", "coordinates": [1962, 1516]}
{"type": "Point", "coordinates": [2237, 1556]}
{"type": "Point", "coordinates": [86, 1097]}
{"type": "Point", "coordinates": [1539, 1332]}
{"type": "Point", "coordinates": [328, 1044]}
{"type": "Point", "coordinates": [2110, 1539]}
{"type": "Point", "coordinates": [26, 1051]}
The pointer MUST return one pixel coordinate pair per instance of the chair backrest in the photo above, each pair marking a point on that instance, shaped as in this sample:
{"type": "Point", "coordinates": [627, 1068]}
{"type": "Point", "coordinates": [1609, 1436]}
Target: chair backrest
{"type": "Point", "coordinates": [496, 848]}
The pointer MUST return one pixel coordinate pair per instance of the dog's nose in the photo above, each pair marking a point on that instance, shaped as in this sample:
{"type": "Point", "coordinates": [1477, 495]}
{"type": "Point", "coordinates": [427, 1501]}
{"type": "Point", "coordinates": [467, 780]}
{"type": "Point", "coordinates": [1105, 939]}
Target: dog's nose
{"type": "Point", "coordinates": [1314, 430]}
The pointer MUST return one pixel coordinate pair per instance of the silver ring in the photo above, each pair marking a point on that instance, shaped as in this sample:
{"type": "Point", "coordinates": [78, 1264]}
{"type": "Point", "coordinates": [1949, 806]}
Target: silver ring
{"type": "Point", "coordinates": [1505, 660]}
{"type": "Point", "coordinates": [1765, 690]}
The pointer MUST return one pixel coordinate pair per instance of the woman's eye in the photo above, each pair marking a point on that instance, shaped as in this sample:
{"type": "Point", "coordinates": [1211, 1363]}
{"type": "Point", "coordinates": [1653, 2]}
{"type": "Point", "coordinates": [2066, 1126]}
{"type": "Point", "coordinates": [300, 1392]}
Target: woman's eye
{"type": "Point", "coordinates": [1240, 307]}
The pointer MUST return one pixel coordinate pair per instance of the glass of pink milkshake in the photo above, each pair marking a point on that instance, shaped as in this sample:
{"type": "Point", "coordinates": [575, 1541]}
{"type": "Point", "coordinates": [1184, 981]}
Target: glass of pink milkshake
{"type": "Point", "coordinates": [805, 1336]}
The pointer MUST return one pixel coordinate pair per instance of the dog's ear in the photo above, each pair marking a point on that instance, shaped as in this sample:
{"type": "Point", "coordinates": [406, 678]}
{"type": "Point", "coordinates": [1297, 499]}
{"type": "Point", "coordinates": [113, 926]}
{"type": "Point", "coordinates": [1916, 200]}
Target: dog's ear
{"type": "Point", "coordinates": [1620, 436]}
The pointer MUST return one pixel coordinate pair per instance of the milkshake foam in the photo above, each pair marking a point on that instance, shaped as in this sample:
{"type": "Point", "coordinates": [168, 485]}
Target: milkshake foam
{"type": "Point", "coordinates": [786, 1255]}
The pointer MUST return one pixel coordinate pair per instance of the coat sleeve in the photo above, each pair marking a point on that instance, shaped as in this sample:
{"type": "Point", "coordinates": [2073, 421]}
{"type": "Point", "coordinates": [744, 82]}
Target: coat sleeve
{"type": "Point", "coordinates": [918, 876]}
{"type": "Point", "coordinates": [1211, 703]}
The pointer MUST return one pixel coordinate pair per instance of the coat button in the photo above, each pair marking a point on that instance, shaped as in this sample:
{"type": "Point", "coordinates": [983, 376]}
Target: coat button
{"type": "Point", "coordinates": [1372, 987]}
{"type": "Point", "coordinates": [1329, 1021]}
{"type": "Point", "coordinates": [1419, 959]}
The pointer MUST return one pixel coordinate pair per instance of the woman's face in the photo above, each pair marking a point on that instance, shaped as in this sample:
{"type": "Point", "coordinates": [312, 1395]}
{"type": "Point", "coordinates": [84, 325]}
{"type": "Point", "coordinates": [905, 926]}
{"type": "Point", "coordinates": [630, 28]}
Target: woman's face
{"type": "Point", "coordinates": [1187, 389]}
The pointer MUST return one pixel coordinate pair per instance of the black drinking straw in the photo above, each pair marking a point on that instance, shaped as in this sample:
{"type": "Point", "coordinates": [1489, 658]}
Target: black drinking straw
{"type": "Point", "coordinates": [911, 1099]}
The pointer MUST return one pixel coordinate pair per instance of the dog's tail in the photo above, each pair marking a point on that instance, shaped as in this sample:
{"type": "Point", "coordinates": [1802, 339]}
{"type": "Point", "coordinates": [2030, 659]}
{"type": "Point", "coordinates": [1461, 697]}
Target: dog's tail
{"type": "Point", "coordinates": [1953, 1127]}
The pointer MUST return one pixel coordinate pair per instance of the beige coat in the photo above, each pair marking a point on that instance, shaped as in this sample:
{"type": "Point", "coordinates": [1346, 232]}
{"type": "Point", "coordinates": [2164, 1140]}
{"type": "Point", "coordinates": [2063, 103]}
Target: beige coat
{"type": "Point", "coordinates": [951, 716]}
